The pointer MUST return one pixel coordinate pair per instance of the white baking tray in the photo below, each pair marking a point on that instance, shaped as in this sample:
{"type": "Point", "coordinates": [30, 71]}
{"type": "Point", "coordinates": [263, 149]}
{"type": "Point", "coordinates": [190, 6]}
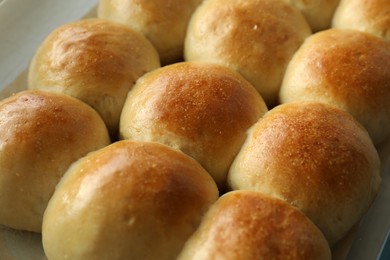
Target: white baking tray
{"type": "Point", "coordinates": [24, 25]}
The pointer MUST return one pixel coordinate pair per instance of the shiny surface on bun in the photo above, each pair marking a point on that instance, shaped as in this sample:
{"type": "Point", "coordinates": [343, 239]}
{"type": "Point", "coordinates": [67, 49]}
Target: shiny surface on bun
{"type": "Point", "coordinates": [163, 22]}
{"type": "Point", "coordinates": [256, 38]}
{"type": "Point", "coordinates": [129, 200]}
{"type": "Point", "coordinates": [369, 16]}
{"type": "Point", "coordinates": [348, 69]}
{"type": "Point", "coordinates": [42, 134]}
{"type": "Point", "coordinates": [94, 60]}
{"type": "Point", "coordinates": [314, 156]}
{"type": "Point", "coordinates": [251, 225]}
{"type": "Point", "coordinates": [201, 109]}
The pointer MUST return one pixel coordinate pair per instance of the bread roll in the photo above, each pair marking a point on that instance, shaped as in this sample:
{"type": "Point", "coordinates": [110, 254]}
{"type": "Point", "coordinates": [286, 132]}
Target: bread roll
{"type": "Point", "coordinates": [94, 60]}
{"type": "Point", "coordinates": [257, 38]}
{"type": "Point", "coordinates": [314, 156]}
{"type": "Point", "coordinates": [163, 22]}
{"type": "Point", "coordinates": [369, 16]}
{"type": "Point", "coordinates": [42, 134]}
{"type": "Point", "coordinates": [250, 225]}
{"type": "Point", "coordinates": [129, 200]}
{"type": "Point", "coordinates": [348, 69]}
{"type": "Point", "coordinates": [318, 13]}
{"type": "Point", "coordinates": [201, 109]}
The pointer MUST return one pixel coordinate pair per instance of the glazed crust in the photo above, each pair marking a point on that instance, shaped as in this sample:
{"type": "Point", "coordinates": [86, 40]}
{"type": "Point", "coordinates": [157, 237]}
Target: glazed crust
{"type": "Point", "coordinates": [251, 225]}
{"type": "Point", "coordinates": [202, 109]}
{"type": "Point", "coordinates": [314, 156]}
{"type": "Point", "coordinates": [348, 69]}
{"type": "Point", "coordinates": [94, 60]}
{"type": "Point", "coordinates": [43, 133]}
{"type": "Point", "coordinates": [256, 38]}
{"type": "Point", "coordinates": [129, 200]}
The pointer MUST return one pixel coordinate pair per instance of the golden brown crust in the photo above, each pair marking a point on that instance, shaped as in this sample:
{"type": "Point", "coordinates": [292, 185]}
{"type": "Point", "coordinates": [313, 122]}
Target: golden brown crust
{"type": "Point", "coordinates": [43, 133]}
{"type": "Point", "coordinates": [94, 60]}
{"type": "Point", "coordinates": [369, 16]}
{"type": "Point", "coordinates": [348, 69]}
{"type": "Point", "coordinates": [314, 156]}
{"type": "Point", "coordinates": [202, 109]}
{"type": "Point", "coordinates": [256, 38]}
{"type": "Point", "coordinates": [250, 225]}
{"type": "Point", "coordinates": [163, 22]}
{"type": "Point", "coordinates": [130, 200]}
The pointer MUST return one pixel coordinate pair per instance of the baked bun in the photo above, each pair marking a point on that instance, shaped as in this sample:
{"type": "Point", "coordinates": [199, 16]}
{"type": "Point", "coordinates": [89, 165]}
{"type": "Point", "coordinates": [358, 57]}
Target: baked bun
{"type": "Point", "coordinates": [348, 69]}
{"type": "Point", "coordinates": [94, 60]}
{"type": "Point", "coordinates": [42, 134]}
{"type": "Point", "coordinates": [250, 225]}
{"type": "Point", "coordinates": [314, 156]}
{"type": "Point", "coordinates": [129, 200]}
{"type": "Point", "coordinates": [369, 16]}
{"type": "Point", "coordinates": [163, 22]}
{"type": "Point", "coordinates": [201, 109]}
{"type": "Point", "coordinates": [318, 13]}
{"type": "Point", "coordinates": [256, 38]}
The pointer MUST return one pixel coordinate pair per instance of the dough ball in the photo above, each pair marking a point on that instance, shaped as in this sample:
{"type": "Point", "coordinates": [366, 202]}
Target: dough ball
{"type": "Point", "coordinates": [42, 135]}
{"type": "Point", "coordinates": [129, 200]}
{"type": "Point", "coordinates": [201, 109]}
{"type": "Point", "coordinates": [94, 60]}
{"type": "Point", "coordinates": [316, 157]}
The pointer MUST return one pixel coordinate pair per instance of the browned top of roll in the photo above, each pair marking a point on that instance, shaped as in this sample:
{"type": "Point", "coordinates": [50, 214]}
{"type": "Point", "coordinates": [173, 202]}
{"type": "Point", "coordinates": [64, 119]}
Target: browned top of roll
{"type": "Point", "coordinates": [315, 156]}
{"type": "Point", "coordinates": [202, 109]}
{"type": "Point", "coordinates": [250, 225]}
{"type": "Point", "coordinates": [129, 200]}
{"type": "Point", "coordinates": [94, 60]}
{"type": "Point", "coordinates": [256, 38]}
{"type": "Point", "coordinates": [348, 69]}
{"type": "Point", "coordinates": [42, 134]}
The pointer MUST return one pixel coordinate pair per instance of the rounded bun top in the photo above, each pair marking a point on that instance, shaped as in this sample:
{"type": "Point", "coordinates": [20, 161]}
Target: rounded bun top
{"type": "Point", "coordinates": [368, 16]}
{"type": "Point", "coordinates": [256, 38]}
{"type": "Point", "coordinates": [43, 133]}
{"type": "Point", "coordinates": [163, 22]}
{"type": "Point", "coordinates": [348, 69]}
{"type": "Point", "coordinates": [94, 60]}
{"type": "Point", "coordinates": [251, 225]}
{"type": "Point", "coordinates": [202, 109]}
{"type": "Point", "coordinates": [129, 200]}
{"type": "Point", "coordinates": [314, 156]}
